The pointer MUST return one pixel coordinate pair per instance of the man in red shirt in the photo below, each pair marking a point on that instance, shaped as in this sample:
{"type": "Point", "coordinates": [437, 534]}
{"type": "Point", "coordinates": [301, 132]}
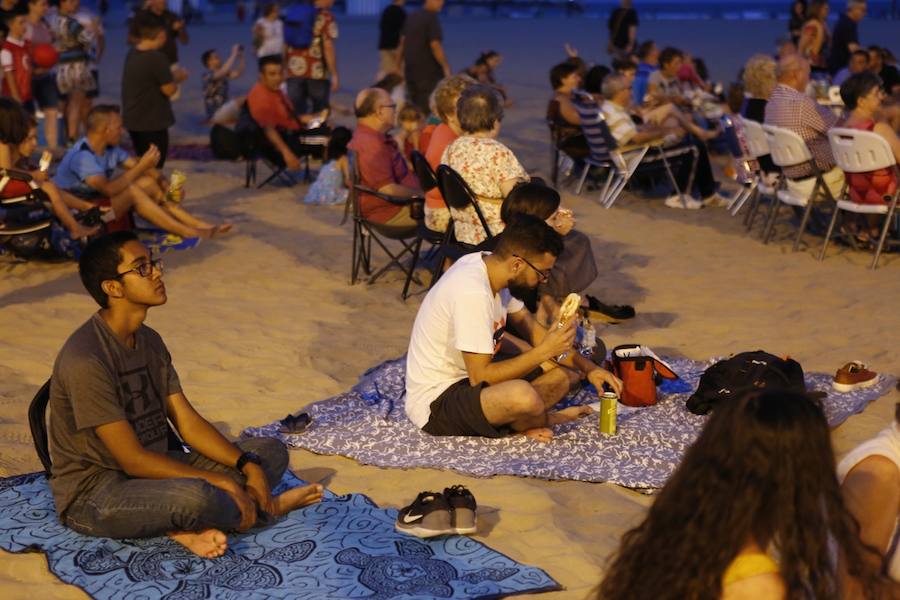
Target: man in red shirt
{"type": "Point", "coordinates": [381, 164]}
{"type": "Point", "coordinates": [16, 60]}
{"type": "Point", "coordinates": [312, 71]}
{"type": "Point", "coordinates": [274, 112]}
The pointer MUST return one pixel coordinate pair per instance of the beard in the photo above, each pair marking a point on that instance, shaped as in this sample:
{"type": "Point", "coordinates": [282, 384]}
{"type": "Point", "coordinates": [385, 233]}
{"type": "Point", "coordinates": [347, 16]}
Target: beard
{"type": "Point", "coordinates": [525, 293]}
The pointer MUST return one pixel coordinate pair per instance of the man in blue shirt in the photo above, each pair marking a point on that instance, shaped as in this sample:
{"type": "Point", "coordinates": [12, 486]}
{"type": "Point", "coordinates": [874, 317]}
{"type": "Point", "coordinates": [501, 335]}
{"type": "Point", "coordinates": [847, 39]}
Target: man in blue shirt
{"type": "Point", "coordinates": [88, 170]}
{"type": "Point", "coordinates": [648, 54]}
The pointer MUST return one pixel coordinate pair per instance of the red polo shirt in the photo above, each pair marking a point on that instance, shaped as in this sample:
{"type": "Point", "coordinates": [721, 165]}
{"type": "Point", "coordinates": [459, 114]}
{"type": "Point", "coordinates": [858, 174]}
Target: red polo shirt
{"type": "Point", "coordinates": [271, 108]}
{"type": "Point", "coordinates": [380, 163]}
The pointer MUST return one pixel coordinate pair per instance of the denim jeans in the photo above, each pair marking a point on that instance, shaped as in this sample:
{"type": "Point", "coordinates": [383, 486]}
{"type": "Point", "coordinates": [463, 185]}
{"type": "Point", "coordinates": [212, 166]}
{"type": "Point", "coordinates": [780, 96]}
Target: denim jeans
{"type": "Point", "coordinates": [118, 506]}
{"type": "Point", "coordinates": [304, 92]}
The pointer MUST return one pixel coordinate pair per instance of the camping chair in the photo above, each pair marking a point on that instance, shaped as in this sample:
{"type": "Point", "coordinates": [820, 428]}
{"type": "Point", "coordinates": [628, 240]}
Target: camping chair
{"type": "Point", "coordinates": [789, 150]}
{"type": "Point", "coordinates": [364, 231]}
{"type": "Point", "coordinates": [457, 194]}
{"type": "Point", "coordinates": [622, 162]}
{"type": "Point", "coordinates": [428, 181]}
{"type": "Point", "coordinates": [759, 146]}
{"type": "Point", "coordinates": [37, 421]}
{"type": "Point", "coordinates": [857, 151]}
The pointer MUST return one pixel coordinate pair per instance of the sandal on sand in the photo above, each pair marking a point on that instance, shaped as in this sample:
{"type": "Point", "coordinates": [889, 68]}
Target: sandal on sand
{"type": "Point", "coordinates": [295, 424]}
{"type": "Point", "coordinates": [608, 313]}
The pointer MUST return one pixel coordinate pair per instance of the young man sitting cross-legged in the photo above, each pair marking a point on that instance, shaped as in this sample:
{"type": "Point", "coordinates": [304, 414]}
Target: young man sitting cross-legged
{"type": "Point", "coordinates": [453, 384]}
{"type": "Point", "coordinates": [112, 392]}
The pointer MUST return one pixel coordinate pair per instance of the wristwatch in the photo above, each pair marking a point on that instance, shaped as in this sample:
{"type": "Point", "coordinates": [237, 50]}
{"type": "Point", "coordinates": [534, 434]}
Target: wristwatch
{"type": "Point", "coordinates": [245, 458]}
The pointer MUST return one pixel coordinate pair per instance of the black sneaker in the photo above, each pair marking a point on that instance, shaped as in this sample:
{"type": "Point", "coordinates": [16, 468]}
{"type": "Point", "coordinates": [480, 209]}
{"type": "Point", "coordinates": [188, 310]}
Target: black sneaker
{"type": "Point", "coordinates": [428, 516]}
{"type": "Point", "coordinates": [608, 313]}
{"type": "Point", "coordinates": [462, 503]}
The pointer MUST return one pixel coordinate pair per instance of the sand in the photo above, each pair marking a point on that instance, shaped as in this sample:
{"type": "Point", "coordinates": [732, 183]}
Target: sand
{"type": "Point", "coordinates": [263, 321]}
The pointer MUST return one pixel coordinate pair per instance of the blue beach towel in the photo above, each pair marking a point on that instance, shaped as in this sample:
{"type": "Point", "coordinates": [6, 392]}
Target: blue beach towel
{"type": "Point", "coordinates": [369, 424]}
{"type": "Point", "coordinates": [342, 547]}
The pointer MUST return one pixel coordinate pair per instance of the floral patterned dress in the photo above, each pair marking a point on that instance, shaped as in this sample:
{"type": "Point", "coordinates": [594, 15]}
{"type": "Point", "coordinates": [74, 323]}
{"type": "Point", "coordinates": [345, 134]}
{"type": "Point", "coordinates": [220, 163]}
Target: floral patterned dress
{"type": "Point", "coordinates": [483, 163]}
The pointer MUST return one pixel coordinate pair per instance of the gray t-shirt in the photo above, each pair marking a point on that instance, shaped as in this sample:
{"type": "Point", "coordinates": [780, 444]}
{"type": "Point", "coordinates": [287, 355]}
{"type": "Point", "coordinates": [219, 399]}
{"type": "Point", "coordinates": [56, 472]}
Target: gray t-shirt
{"type": "Point", "coordinates": [98, 380]}
{"type": "Point", "coordinates": [666, 86]}
{"type": "Point", "coordinates": [144, 106]}
{"type": "Point", "coordinates": [422, 28]}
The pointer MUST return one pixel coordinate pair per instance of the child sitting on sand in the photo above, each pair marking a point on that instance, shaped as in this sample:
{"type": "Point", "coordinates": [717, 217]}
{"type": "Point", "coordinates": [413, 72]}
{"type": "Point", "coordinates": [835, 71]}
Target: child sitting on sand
{"type": "Point", "coordinates": [330, 187]}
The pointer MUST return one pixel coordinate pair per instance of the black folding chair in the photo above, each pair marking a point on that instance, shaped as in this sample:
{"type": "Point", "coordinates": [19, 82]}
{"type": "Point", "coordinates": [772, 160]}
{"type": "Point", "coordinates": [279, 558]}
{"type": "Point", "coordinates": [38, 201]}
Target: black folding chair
{"type": "Point", "coordinates": [37, 421]}
{"type": "Point", "coordinates": [428, 181]}
{"type": "Point", "coordinates": [364, 230]}
{"type": "Point", "coordinates": [457, 194]}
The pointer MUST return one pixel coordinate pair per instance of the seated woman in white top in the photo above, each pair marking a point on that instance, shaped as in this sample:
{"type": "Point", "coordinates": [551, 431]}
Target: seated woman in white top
{"type": "Point", "coordinates": [489, 167]}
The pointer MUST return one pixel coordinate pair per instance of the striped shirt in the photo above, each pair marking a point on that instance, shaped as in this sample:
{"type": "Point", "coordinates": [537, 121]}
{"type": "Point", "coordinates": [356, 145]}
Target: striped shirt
{"type": "Point", "coordinates": [621, 126]}
{"type": "Point", "coordinates": [798, 112]}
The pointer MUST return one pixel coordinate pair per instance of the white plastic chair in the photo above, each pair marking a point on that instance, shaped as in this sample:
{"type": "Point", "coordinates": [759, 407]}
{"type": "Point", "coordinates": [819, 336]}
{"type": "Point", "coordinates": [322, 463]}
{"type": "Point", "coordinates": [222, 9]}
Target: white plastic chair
{"type": "Point", "coordinates": [789, 150]}
{"type": "Point", "coordinates": [858, 151]}
{"type": "Point", "coordinates": [758, 146]}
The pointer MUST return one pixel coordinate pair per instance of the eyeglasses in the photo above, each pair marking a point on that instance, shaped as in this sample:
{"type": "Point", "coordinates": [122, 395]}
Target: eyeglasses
{"type": "Point", "coordinates": [388, 106]}
{"type": "Point", "coordinates": [144, 269]}
{"type": "Point", "coordinates": [542, 276]}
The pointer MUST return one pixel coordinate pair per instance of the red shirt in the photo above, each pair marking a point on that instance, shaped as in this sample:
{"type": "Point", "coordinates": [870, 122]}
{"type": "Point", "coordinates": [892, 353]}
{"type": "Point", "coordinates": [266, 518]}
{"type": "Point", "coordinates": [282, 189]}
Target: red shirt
{"type": "Point", "coordinates": [16, 59]}
{"type": "Point", "coordinates": [441, 137]}
{"type": "Point", "coordinates": [380, 163]}
{"type": "Point", "coordinates": [271, 108]}
{"type": "Point", "coordinates": [309, 63]}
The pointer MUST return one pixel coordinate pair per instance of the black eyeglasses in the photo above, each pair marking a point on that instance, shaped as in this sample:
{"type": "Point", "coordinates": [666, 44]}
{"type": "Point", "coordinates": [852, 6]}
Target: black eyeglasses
{"type": "Point", "coordinates": [542, 276]}
{"type": "Point", "coordinates": [144, 269]}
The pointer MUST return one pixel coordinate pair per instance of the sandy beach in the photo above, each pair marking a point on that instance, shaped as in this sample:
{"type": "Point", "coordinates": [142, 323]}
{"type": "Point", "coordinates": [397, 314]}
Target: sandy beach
{"type": "Point", "coordinates": [263, 321]}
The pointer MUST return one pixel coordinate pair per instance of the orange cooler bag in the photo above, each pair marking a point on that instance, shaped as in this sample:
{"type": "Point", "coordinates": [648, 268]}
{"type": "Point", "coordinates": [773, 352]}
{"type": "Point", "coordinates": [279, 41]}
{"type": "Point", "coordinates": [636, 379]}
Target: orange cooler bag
{"type": "Point", "coordinates": [640, 371]}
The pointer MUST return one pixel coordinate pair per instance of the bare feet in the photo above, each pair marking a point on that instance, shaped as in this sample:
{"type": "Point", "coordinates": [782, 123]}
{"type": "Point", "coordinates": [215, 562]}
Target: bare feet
{"type": "Point", "coordinates": [80, 231]}
{"type": "Point", "coordinates": [539, 434]}
{"type": "Point", "coordinates": [209, 543]}
{"type": "Point", "coordinates": [203, 234]}
{"type": "Point", "coordinates": [222, 229]}
{"type": "Point", "coordinates": [568, 414]}
{"type": "Point", "coordinates": [296, 498]}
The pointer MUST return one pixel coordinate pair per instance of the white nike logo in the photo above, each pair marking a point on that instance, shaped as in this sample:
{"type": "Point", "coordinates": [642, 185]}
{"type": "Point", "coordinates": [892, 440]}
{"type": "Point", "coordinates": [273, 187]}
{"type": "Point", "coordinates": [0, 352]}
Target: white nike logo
{"type": "Point", "coordinates": [407, 519]}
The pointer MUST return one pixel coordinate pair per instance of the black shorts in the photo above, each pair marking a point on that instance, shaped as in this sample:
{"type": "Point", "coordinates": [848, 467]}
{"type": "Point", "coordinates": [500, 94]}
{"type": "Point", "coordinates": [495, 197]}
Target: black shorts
{"type": "Point", "coordinates": [43, 88]}
{"type": "Point", "coordinates": [457, 411]}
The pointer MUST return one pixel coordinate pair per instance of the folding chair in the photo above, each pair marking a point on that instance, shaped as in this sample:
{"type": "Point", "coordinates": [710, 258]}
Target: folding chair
{"type": "Point", "coordinates": [857, 151]}
{"type": "Point", "coordinates": [37, 422]}
{"type": "Point", "coordinates": [364, 231]}
{"type": "Point", "coordinates": [789, 150]}
{"type": "Point", "coordinates": [457, 194]}
{"type": "Point", "coordinates": [759, 147]}
{"type": "Point", "coordinates": [427, 181]}
{"type": "Point", "coordinates": [622, 162]}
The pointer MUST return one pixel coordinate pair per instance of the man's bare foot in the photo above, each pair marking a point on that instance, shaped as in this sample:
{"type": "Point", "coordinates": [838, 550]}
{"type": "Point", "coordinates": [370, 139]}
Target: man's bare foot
{"type": "Point", "coordinates": [209, 543]}
{"type": "Point", "coordinates": [568, 414]}
{"type": "Point", "coordinates": [539, 434]}
{"type": "Point", "coordinates": [203, 234]}
{"type": "Point", "coordinates": [222, 229]}
{"type": "Point", "coordinates": [296, 497]}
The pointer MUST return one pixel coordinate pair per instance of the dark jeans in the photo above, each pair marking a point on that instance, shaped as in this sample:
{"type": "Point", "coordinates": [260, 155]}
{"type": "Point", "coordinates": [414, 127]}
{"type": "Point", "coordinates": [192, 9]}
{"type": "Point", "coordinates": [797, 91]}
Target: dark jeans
{"type": "Point", "coordinates": [704, 182]}
{"type": "Point", "coordinates": [306, 92]}
{"type": "Point", "coordinates": [418, 91]}
{"type": "Point", "coordinates": [121, 507]}
{"type": "Point", "coordinates": [141, 140]}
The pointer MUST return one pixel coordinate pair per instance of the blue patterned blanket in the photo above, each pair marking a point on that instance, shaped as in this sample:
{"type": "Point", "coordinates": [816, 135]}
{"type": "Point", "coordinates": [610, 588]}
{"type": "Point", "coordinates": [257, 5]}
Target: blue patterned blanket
{"type": "Point", "coordinates": [343, 547]}
{"type": "Point", "coordinates": [369, 424]}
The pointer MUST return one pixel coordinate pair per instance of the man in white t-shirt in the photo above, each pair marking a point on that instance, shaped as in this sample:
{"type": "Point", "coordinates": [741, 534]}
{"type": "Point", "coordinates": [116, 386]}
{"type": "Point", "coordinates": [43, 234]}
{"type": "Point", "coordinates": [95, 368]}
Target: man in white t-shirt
{"type": "Point", "coordinates": [453, 384]}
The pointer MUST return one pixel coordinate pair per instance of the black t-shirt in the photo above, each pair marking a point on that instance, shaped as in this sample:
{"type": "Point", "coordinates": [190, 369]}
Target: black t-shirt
{"type": "Point", "coordinates": [144, 106]}
{"type": "Point", "coordinates": [845, 33]}
{"type": "Point", "coordinates": [422, 28]}
{"type": "Point", "coordinates": [390, 27]}
{"type": "Point", "coordinates": [167, 20]}
{"type": "Point", "coordinates": [620, 21]}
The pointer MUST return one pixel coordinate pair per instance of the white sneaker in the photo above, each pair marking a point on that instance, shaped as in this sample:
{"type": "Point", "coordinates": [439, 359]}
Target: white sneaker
{"type": "Point", "coordinates": [715, 200]}
{"type": "Point", "coordinates": [674, 201]}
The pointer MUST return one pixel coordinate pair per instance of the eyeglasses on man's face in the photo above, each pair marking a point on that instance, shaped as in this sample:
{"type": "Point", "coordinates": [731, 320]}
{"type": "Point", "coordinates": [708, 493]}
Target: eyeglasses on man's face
{"type": "Point", "coordinates": [145, 269]}
{"type": "Point", "coordinates": [543, 276]}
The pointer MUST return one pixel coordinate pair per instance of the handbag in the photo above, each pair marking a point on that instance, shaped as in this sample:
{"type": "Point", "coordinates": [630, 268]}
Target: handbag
{"type": "Point", "coordinates": [640, 371]}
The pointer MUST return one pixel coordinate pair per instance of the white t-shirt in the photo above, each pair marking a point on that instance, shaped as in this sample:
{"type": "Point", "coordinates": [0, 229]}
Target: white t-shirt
{"type": "Point", "coordinates": [621, 126]}
{"type": "Point", "coordinates": [273, 37]}
{"type": "Point", "coordinates": [886, 444]}
{"type": "Point", "coordinates": [460, 314]}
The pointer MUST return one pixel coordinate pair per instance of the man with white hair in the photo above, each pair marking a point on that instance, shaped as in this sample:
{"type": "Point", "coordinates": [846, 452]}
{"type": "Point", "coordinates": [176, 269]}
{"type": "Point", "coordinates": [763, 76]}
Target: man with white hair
{"type": "Point", "coordinates": [381, 164]}
{"type": "Point", "coordinates": [791, 108]}
{"type": "Point", "coordinates": [845, 35]}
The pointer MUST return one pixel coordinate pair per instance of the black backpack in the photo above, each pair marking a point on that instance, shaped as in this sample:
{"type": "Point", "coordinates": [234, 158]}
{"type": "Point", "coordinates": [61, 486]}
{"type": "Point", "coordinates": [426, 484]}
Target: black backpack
{"type": "Point", "coordinates": [224, 143]}
{"type": "Point", "coordinates": [745, 372]}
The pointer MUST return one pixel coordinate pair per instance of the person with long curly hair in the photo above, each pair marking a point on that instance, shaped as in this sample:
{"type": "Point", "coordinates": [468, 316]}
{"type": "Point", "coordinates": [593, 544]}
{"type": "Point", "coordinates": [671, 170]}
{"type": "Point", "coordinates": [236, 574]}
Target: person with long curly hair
{"type": "Point", "coordinates": [754, 510]}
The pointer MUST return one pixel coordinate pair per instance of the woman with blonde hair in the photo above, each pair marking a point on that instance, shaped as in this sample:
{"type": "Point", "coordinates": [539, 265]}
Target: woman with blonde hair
{"type": "Point", "coordinates": [759, 81]}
